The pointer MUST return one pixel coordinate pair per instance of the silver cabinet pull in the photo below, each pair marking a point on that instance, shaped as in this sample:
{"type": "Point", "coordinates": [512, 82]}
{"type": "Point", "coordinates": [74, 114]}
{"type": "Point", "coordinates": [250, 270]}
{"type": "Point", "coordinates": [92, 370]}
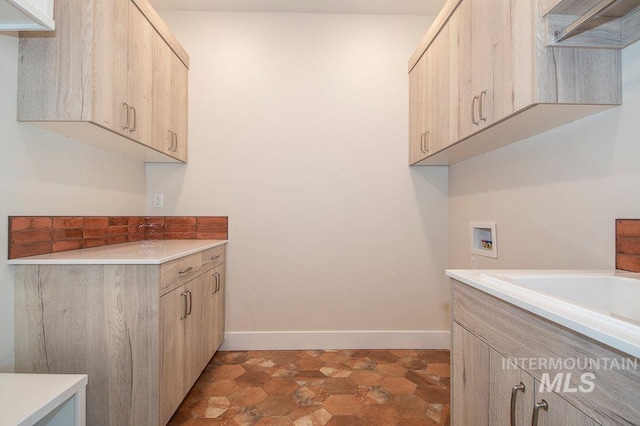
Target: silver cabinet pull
{"type": "Point", "coordinates": [126, 108]}
{"type": "Point", "coordinates": [426, 147]}
{"type": "Point", "coordinates": [473, 110]}
{"type": "Point", "coordinates": [217, 256]}
{"type": "Point", "coordinates": [219, 279]}
{"type": "Point", "coordinates": [422, 137]}
{"type": "Point", "coordinates": [514, 396]}
{"type": "Point", "coordinates": [189, 269]}
{"type": "Point", "coordinates": [184, 311]}
{"type": "Point", "coordinates": [170, 140]}
{"type": "Point", "coordinates": [482, 95]}
{"type": "Point", "coordinates": [215, 286]}
{"type": "Point", "coordinates": [536, 411]}
{"type": "Point", "coordinates": [190, 302]}
{"type": "Point", "coordinates": [135, 120]}
{"type": "Point", "coordinates": [175, 147]}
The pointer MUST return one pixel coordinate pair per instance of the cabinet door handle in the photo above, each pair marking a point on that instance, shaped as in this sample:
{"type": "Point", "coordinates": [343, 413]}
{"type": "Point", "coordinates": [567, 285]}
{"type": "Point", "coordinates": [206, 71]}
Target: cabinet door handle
{"type": "Point", "coordinates": [126, 108]}
{"type": "Point", "coordinates": [422, 143]}
{"type": "Point", "coordinates": [514, 396]}
{"type": "Point", "coordinates": [170, 140]}
{"type": "Point", "coordinates": [189, 269]}
{"type": "Point", "coordinates": [190, 302]}
{"type": "Point", "coordinates": [473, 110]}
{"type": "Point", "coordinates": [219, 282]}
{"type": "Point", "coordinates": [536, 411]}
{"type": "Point", "coordinates": [482, 96]}
{"type": "Point", "coordinates": [175, 147]}
{"type": "Point", "coordinates": [215, 286]}
{"type": "Point", "coordinates": [426, 147]}
{"type": "Point", "coordinates": [184, 311]}
{"type": "Point", "coordinates": [216, 257]}
{"type": "Point", "coordinates": [135, 120]}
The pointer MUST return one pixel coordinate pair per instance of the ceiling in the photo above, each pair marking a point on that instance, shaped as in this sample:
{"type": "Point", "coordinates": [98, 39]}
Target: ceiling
{"type": "Point", "coordinates": [366, 7]}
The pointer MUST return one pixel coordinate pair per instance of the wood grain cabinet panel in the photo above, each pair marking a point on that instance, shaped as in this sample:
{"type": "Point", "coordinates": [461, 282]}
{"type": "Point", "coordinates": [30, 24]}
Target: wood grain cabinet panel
{"type": "Point", "coordinates": [488, 333]}
{"type": "Point", "coordinates": [102, 78]}
{"type": "Point", "coordinates": [142, 348]}
{"type": "Point", "coordinates": [492, 80]}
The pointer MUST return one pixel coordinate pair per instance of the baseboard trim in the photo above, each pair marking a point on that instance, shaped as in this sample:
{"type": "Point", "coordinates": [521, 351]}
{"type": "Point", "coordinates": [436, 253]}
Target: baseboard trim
{"type": "Point", "coordinates": [301, 340]}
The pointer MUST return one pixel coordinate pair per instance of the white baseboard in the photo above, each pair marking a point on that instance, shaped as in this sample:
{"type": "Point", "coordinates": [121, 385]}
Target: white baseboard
{"type": "Point", "coordinates": [300, 340]}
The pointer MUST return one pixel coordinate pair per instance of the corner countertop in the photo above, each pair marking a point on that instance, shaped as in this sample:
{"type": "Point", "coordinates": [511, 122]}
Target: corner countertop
{"type": "Point", "coordinates": [147, 252]}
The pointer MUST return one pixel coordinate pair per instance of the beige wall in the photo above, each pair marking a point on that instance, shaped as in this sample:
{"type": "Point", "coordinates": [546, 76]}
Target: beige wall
{"type": "Point", "coordinates": [298, 132]}
{"type": "Point", "coordinates": [45, 174]}
{"type": "Point", "coordinates": [555, 196]}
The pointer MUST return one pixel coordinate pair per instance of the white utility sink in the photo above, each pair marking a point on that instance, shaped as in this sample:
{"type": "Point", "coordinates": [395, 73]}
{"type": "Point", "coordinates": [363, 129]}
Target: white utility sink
{"type": "Point", "coordinates": [603, 305]}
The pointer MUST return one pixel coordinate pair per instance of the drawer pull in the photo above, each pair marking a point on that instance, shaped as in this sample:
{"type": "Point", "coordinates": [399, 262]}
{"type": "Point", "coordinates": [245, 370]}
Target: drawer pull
{"type": "Point", "coordinates": [217, 256]}
{"type": "Point", "coordinates": [189, 269]}
{"type": "Point", "coordinates": [184, 314]}
{"type": "Point", "coordinates": [514, 396]}
{"type": "Point", "coordinates": [536, 411]}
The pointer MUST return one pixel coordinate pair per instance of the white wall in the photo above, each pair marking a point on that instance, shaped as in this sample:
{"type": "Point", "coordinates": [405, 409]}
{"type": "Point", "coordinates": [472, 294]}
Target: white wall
{"type": "Point", "coordinates": [555, 196]}
{"type": "Point", "coordinates": [298, 132]}
{"type": "Point", "coordinates": [45, 174]}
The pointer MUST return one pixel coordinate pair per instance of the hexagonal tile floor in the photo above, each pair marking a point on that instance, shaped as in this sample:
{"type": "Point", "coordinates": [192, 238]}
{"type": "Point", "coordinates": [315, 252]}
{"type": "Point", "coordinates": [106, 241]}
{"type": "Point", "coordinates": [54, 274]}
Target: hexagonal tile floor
{"type": "Point", "coordinates": [309, 388]}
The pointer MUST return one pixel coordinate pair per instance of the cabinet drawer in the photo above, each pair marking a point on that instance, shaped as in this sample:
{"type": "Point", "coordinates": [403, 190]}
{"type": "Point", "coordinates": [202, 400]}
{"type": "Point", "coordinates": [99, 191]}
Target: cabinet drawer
{"type": "Point", "coordinates": [213, 257]}
{"type": "Point", "coordinates": [177, 272]}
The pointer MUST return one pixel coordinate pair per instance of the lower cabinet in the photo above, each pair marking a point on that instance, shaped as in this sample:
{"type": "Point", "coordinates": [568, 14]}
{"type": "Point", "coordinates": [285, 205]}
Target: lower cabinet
{"type": "Point", "coordinates": [488, 389]}
{"type": "Point", "coordinates": [142, 333]}
{"type": "Point", "coordinates": [512, 367]}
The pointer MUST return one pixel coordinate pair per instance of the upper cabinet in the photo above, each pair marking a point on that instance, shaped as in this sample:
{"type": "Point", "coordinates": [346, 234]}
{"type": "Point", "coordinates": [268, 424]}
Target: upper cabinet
{"type": "Point", "coordinates": [493, 80]}
{"type": "Point", "coordinates": [26, 15]}
{"type": "Point", "coordinates": [96, 79]}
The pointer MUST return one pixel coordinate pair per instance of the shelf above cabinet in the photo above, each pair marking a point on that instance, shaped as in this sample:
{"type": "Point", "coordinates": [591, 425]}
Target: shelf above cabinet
{"type": "Point", "coordinates": [26, 15]}
{"type": "Point", "coordinates": [593, 23]}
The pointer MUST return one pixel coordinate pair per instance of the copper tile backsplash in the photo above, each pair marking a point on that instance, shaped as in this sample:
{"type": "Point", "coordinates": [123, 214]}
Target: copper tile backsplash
{"type": "Point", "coordinates": [33, 235]}
{"type": "Point", "coordinates": [628, 245]}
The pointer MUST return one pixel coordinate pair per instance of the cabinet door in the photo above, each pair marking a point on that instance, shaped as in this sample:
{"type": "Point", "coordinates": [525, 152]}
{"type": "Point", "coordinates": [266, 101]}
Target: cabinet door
{"type": "Point", "coordinates": [219, 307]}
{"type": "Point", "coordinates": [110, 61]}
{"type": "Point", "coordinates": [468, 86]}
{"type": "Point", "coordinates": [179, 106]}
{"type": "Point", "coordinates": [169, 100]}
{"type": "Point", "coordinates": [438, 91]}
{"type": "Point", "coordinates": [173, 355]}
{"type": "Point", "coordinates": [510, 389]}
{"type": "Point", "coordinates": [140, 76]}
{"type": "Point", "coordinates": [196, 329]}
{"type": "Point", "coordinates": [559, 412]}
{"type": "Point", "coordinates": [470, 379]}
{"type": "Point", "coordinates": [418, 110]}
{"type": "Point", "coordinates": [162, 65]}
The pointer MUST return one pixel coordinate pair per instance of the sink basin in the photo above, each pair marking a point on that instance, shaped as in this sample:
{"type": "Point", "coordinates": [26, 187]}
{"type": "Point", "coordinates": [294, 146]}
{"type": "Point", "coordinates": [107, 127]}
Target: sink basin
{"type": "Point", "coordinates": [603, 305]}
{"type": "Point", "coordinates": [607, 293]}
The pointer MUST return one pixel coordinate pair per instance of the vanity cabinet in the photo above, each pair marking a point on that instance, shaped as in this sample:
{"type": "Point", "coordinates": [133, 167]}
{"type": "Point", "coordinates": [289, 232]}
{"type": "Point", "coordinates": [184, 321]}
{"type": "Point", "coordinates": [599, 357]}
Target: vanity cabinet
{"type": "Point", "coordinates": [489, 390]}
{"type": "Point", "coordinates": [501, 358]}
{"type": "Point", "coordinates": [504, 83]}
{"type": "Point", "coordinates": [143, 333]}
{"type": "Point", "coordinates": [93, 80]}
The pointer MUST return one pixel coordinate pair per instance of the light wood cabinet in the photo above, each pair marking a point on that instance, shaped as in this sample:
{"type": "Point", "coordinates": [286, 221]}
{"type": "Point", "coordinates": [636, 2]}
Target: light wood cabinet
{"type": "Point", "coordinates": [94, 80]}
{"type": "Point", "coordinates": [143, 333]}
{"type": "Point", "coordinates": [505, 361]}
{"type": "Point", "coordinates": [504, 84]}
{"type": "Point", "coordinates": [488, 390]}
{"type": "Point", "coordinates": [170, 82]}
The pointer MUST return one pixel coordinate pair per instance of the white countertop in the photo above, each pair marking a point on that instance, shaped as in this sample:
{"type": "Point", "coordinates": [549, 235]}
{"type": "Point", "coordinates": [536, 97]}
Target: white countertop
{"type": "Point", "coordinates": [597, 324]}
{"type": "Point", "coordinates": [27, 398]}
{"type": "Point", "coordinates": [147, 252]}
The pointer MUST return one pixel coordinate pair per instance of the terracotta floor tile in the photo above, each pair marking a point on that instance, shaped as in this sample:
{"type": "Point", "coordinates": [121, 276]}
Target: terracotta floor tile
{"type": "Point", "coordinates": [366, 378]}
{"type": "Point", "coordinates": [440, 370]}
{"type": "Point", "coordinates": [248, 396]}
{"type": "Point", "coordinates": [336, 386]}
{"type": "Point", "coordinates": [227, 372]}
{"type": "Point", "coordinates": [343, 405]}
{"type": "Point", "coordinates": [279, 386]}
{"type": "Point", "coordinates": [391, 370]}
{"type": "Point", "coordinates": [346, 421]}
{"type": "Point", "coordinates": [277, 406]}
{"type": "Point", "coordinates": [313, 388]}
{"type": "Point", "coordinates": [398, 385]}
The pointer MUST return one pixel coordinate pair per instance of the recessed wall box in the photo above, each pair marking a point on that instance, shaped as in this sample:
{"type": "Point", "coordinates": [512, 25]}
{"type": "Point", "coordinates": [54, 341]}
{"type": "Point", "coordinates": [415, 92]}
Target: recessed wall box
{"type": "Point", "coordinates": [483, 239]}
